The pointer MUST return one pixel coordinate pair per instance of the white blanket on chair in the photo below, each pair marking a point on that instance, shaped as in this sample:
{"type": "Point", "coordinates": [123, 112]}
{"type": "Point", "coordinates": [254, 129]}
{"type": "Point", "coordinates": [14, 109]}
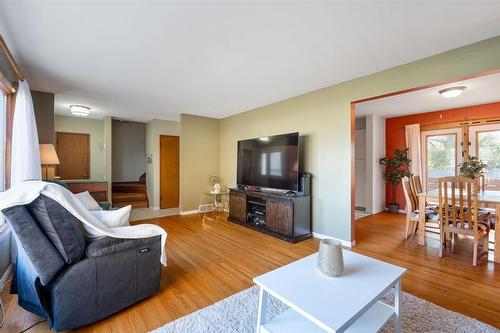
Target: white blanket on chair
{"type": "Point", "coordinates": [25, 192]}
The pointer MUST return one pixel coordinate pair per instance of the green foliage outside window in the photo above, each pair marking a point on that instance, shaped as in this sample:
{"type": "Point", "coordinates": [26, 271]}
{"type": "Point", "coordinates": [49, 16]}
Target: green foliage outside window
{"type": "Point", "coordinates": [441, 151]}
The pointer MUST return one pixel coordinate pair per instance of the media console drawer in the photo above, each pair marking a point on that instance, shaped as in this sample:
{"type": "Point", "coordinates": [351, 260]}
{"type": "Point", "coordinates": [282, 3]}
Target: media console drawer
{"type": "Point", "coordinates": [285, 217]}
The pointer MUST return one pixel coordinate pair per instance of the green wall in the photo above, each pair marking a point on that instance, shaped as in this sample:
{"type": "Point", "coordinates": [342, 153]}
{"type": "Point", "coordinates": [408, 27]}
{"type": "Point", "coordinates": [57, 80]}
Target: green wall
{"type": "Point", "coordinates": [323, 118]}
{"type": "Point", "coordinates": [199, 158]}
{"type": "Point", "coordinates": [96, 128]}
{"type": "Point", "coordinates": [155, 128]}
{"type": "Point", "coordinates": [43, 104]}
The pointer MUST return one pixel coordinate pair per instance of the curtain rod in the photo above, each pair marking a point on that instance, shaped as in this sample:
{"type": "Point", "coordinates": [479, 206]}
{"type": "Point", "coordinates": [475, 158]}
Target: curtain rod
{"type": "Point", "coordinates": [10, 58]}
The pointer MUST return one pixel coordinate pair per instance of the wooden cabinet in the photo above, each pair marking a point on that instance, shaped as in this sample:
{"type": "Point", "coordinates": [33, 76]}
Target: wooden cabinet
{"type": "Point", "coordinates": [279, 215]}
{"type": "Point", "coordinates": [238, 206]}
{"type": "Point", "coordinates": [98, 190]}
{"type": "Point", "coordinates": [286, 217]}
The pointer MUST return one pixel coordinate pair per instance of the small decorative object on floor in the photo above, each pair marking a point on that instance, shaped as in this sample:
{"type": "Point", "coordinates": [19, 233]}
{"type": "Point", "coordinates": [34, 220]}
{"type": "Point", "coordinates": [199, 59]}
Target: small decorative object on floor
{"type": "Point", "coordinates": [330, 258]}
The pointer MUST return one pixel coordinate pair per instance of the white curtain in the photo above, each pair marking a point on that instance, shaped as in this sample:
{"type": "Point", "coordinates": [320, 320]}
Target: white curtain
{"type": "Point", "coordinates": [412, 135]}
{"type": "Point", "coordinates": [25, 163]}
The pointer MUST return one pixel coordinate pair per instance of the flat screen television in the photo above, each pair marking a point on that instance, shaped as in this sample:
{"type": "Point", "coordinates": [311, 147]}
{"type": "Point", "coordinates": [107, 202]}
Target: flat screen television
{"type": "Point", "coordinates": [269, 162]}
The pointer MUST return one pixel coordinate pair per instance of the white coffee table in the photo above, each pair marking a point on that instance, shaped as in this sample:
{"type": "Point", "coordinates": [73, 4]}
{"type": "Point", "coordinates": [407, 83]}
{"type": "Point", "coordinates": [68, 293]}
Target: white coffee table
{"type": "Point", "coordinates": [349, 303]}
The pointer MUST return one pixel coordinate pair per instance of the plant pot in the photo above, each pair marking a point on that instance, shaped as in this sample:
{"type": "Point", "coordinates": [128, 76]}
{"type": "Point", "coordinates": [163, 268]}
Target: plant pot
{"type": "Point", "coordinates": [394, 208]}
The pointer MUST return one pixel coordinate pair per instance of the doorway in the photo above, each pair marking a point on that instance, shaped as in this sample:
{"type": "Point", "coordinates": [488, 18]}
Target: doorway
{"type": "Point", "coordinates": [449, 131]}
{"type": "Point", "coordinates": [73, 150]}
{"type": "Point", "coordinates": [169, 171]}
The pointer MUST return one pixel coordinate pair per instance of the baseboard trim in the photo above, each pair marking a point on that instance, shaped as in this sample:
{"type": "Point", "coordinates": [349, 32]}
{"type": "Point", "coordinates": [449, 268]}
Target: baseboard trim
{"type": "Point", "coordinates": [400, 211]}
{"type": "Point", "coordinates": [189, 212]}
{"type": "Point", "coordinates": [343, 242]}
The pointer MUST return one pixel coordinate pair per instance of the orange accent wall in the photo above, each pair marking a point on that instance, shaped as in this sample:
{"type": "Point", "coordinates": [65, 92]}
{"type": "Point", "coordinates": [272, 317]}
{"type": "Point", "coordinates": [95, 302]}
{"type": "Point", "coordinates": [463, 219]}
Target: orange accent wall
{"type": "Point", "coordinates": [395, 130]}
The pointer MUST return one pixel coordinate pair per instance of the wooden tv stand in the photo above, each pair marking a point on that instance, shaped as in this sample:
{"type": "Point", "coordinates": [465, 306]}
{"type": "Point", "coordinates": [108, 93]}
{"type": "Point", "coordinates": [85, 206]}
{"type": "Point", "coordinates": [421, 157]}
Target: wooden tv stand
{"type": "Point", "coordinates": [285, 217]}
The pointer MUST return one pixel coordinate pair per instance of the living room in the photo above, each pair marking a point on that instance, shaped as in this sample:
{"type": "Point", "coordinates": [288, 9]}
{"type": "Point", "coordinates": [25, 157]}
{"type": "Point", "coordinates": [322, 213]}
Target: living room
{"type": "Point", "coordinates": [221, 77]}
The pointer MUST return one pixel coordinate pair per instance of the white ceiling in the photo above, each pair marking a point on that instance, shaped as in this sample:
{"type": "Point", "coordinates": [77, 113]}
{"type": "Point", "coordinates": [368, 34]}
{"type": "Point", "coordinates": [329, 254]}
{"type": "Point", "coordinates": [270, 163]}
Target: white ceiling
{"type": "Point", "coordinates": [481, 90]}
{"type": "Point", "coordinates": [139, 61]}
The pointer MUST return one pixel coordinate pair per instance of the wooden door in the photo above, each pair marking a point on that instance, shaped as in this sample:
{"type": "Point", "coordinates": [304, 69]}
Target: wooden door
{"type": "Point", "coordinates": [169, 171]}
{"type": "Point", "coordinates": [279, 215]}
{"type": "Point", "coordinates": [237, 206]}
{"type": "Point", "coordinates": [73, 150]}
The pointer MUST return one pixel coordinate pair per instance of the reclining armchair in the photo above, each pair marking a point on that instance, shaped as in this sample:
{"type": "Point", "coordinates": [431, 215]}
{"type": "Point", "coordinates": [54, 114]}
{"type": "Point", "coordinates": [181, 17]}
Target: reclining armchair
{"type": "Point", "coordinates": [70, 282]}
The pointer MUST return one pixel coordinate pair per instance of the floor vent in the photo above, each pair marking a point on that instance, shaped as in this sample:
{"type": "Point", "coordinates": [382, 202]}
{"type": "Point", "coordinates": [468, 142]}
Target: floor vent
{"type": "Point", "coordinates": [206, 208]}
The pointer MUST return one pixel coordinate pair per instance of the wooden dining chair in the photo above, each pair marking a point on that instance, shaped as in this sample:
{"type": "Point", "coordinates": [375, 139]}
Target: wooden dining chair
{"type": "Point", "coordinates": [459, 214]}
{"type": "Point", "coordinates": [482, 182]}
{"type": "Point", "coordinates": [417, 184]}
{"type": "Point", "coordinates": [411, 206]}
{"type": "Point", "coordinates": [417, 211]}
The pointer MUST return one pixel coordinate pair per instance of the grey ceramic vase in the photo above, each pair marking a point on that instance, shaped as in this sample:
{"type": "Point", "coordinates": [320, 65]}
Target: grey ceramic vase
{"type": "Point", "coordinates": [330, 258]}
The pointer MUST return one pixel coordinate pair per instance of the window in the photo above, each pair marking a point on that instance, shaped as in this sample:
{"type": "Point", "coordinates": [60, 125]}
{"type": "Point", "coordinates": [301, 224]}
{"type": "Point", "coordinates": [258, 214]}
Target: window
{"type": "Point", "coordinates": [485, 144]}
{"type": "Point", "coordinates": [440, 154]}
{"type": "Point", "coordinates": [275, 159]}
{"type": "Point", "coordinates": [263, 164]}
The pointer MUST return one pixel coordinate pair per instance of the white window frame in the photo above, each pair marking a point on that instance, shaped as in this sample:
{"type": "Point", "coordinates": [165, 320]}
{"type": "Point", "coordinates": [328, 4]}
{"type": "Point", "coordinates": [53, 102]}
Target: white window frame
{"type": "Point", "coordinates": [473, 135]}
{"type": "Point", "coordinates": [457, 131]}
{"type": "Point", "coordinates": [474, 130]}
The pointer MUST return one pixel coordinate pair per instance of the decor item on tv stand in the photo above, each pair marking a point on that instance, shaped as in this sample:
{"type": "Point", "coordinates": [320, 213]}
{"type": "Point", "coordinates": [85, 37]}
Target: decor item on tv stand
{"type": "Point", "coordinates": [275, 213]}
{"type": "Point", "coordinates": [474, 168]}
{"type": "Point", "coordinates": [396, 167]}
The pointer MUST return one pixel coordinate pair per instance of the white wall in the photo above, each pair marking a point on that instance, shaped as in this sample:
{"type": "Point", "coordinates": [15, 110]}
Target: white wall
{"type": "Point", "coordinates": [154, 129]}
{"type": "Point", "coordinates": [375, 149]}
{"type": "Point", "coordinates": [360, 169]}
{"type": "Point", "coordinates": [129, 149]}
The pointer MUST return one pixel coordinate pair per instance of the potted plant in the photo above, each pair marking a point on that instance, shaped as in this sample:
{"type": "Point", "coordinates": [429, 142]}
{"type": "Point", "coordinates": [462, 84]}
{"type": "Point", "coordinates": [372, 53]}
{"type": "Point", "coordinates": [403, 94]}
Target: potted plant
{"type": "Point", "coordinates": [396, 167]}
{"type": "Point", "coordinates": [473, 168]}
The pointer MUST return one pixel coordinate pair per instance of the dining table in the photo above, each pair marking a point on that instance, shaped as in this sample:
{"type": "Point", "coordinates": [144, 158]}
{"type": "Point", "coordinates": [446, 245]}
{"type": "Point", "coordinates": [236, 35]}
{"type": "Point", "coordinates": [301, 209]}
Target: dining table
{"type": "Point", "coordinates": [485, 199]}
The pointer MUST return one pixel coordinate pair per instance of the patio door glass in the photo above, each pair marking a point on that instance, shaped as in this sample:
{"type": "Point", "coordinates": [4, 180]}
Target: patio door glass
{"type": "Point", "coordinates": [441, 154]}
{"type": "Point", "coordinates": [485, 144]}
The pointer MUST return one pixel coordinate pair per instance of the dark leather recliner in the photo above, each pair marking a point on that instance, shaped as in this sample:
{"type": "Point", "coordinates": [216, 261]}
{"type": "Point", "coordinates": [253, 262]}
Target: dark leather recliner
{"type": "Point", "coordinates": [72, 283]}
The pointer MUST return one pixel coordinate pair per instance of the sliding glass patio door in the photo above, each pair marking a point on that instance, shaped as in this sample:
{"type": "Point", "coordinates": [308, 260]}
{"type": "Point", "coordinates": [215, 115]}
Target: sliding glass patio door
{"type": "Point", "coordinates": [485, 144]}
{"type": "Point", "coordinates": [441, 155]}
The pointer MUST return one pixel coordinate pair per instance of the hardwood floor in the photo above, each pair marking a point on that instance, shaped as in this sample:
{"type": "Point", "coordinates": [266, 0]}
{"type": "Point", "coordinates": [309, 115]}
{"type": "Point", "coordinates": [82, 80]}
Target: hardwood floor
{"type": "Point", "coordinates": [210, 260]}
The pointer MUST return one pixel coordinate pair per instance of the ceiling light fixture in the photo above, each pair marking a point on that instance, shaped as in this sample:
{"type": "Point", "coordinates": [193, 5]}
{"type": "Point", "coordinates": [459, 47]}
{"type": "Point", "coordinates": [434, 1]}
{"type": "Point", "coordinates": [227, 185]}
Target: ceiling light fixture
{"type": "Point", "coordinates": [79, 110]}
{"type": "Point", "coordinates": [452, 91]}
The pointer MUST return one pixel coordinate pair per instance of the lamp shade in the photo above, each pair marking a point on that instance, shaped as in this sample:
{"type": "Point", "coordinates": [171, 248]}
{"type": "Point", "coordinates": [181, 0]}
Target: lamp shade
{"type": "Point", "coordinates": [48, 155]}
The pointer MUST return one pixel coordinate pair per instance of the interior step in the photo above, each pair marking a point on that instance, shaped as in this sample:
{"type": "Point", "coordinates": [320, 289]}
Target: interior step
{"type": "Point", "coordinates": [124, 197]}
{"type": "Point", "coordinates": [129, 187]}
{"type": "Point", "coordinates": [135, 204]}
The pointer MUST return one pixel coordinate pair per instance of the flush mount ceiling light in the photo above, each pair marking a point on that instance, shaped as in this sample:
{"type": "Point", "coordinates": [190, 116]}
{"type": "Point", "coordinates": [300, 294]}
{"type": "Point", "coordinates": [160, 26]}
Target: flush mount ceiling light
{"type": "Point", "coordinates": [79, 110]}
{"type": "Point", "coordinates": [452, 91]}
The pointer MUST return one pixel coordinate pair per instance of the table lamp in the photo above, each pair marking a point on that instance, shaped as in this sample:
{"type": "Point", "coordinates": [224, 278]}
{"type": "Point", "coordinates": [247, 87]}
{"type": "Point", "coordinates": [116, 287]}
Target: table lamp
{"type": "Point", "coordinates": [48, 157]}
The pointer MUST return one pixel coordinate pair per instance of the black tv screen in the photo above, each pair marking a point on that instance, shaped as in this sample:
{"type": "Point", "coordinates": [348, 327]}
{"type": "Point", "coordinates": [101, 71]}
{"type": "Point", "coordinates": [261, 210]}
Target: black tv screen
{"type": "Point", "coordinates": [270, 161]}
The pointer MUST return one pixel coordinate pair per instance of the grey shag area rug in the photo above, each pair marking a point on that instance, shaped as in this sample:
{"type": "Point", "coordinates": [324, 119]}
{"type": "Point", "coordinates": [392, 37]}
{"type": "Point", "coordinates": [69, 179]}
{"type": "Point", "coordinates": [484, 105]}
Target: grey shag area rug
{"type": "Point", "coordinates": [238, 313]}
